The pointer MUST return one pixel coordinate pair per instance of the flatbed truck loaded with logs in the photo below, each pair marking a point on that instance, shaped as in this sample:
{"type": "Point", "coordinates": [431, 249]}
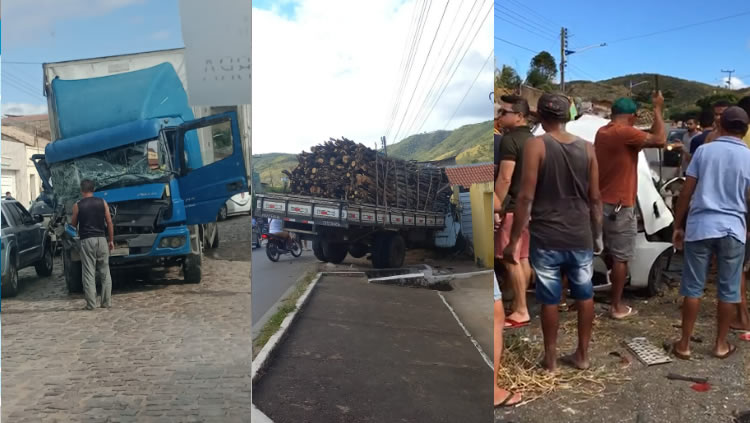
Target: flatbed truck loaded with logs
{"type": "Point", "coordinates": [349, 199]}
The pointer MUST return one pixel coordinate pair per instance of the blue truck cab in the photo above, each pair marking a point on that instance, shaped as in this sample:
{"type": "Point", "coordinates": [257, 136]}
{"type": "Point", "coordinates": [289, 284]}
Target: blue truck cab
{"type": "Point", "coordinates": [163, 173]}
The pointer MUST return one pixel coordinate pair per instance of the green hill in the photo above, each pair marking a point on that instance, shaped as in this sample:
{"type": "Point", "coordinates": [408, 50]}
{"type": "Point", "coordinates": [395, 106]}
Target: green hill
{"type": "Point", "coordinates": [470, 143]}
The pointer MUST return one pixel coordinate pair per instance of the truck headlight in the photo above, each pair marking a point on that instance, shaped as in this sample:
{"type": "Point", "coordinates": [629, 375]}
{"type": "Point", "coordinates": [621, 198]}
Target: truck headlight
{"type": "Point", "coordinates": [177, 242]}
{"type": "Point", "coordinates": [172, 242]}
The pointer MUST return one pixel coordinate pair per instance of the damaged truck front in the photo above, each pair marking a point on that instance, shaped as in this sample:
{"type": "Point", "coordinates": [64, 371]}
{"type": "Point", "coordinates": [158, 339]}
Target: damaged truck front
{"type": "Point", "coordinates": [163, 173]}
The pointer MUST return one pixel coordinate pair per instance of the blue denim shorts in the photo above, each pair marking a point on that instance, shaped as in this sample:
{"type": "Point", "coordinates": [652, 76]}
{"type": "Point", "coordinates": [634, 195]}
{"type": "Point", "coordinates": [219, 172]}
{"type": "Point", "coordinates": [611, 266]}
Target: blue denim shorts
{"type": "Point", "coordinates": [550, 265]}
{"type": "Point", "coordinates": [730, 255]}
{"type": "Point", "coordinates": [498, 294]}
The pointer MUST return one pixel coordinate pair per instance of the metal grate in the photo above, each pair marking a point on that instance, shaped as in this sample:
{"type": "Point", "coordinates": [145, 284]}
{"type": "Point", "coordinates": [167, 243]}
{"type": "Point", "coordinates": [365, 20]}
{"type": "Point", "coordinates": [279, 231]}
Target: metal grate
{"type": "Point", "coordinates": [646, 352]}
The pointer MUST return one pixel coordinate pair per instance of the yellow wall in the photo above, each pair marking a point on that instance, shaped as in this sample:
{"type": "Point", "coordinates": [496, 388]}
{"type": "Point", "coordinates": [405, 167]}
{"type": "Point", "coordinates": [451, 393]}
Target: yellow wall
{"type": "Point", "coordinates": [481, 221]}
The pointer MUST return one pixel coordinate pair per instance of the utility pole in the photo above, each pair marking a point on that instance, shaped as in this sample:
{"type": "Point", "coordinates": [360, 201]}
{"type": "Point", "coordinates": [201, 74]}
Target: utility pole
{"type": "Point", "coordinates": [385, 151]}
{"type": "Point", "coordinates": [632, 85]}
{"type": "Point", "coordinates": [563, 51]}
{"type": "Point", "coordinates": [729, 80]}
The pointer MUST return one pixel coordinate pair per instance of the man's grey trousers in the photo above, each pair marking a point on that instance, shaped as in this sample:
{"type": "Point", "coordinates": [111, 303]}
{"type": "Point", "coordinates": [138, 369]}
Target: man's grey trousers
{"type": "Point", "coordinates": [95, 260]}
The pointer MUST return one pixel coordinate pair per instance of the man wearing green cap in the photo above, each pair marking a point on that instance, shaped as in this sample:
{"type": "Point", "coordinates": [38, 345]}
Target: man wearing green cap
{"type": "Point", "coordinates": [617, 146]}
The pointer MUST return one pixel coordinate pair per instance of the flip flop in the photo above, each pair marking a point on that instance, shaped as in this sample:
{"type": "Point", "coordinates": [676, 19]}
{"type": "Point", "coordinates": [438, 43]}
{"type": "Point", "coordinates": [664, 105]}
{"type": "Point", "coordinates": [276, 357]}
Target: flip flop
{"type": "Point", "coordinates": [631, 312]}
{"type": "Point", "coordinates": [744, 336]}
{"type": "Point", "coordinates": [506, 402]}
{"type": "Point", "coordinates": [732, 349]}
{"type": "Point", "coordinates": [513, 324]}
{"type": "Point", "coordinates": [673, 350]}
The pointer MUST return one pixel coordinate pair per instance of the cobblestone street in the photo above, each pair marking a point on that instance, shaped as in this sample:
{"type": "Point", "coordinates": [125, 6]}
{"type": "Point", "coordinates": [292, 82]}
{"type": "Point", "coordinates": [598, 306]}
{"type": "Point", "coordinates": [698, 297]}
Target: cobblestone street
{"type": "Point", "coordinates": [165, 351]}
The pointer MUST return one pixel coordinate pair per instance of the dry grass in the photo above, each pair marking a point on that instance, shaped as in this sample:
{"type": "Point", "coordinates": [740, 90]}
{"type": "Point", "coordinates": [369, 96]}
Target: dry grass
{"type": "Point", "coordinates": [522, 372]}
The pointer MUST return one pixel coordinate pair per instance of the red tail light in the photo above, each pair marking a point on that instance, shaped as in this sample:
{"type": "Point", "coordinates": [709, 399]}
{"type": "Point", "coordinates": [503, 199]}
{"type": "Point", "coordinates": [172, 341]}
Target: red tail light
{"type": "Point", "coordinates": [264, 236]}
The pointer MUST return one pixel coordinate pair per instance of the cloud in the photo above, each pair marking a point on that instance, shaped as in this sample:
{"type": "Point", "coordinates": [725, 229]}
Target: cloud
{"type": "Point", "coordinates": [326, 72]}
{"type": "Point", "coordinates": [160, 35]}
{"type": "Point", "coordinates": [737, 83]}
{"type": "Point", "coordinates": [27, 22]}
{"type": "Point", "coordinates": [23, 109]}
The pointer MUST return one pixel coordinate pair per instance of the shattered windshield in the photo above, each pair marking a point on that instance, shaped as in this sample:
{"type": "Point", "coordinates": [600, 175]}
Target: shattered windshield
{"type": "Point", "coordinates": [134, 164]}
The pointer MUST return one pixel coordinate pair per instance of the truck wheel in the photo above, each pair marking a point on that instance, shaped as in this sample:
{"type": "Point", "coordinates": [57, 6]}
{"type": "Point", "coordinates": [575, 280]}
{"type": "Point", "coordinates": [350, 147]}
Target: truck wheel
{"type": "Point", "coordinates": [358, 250]}
{"type": "Point", "coordinates": [45, 266]}
{"type": "Point", "coordinates": [317, 246]}
{"type": "Point", "coordinates": [389, 251]}
{"type": "Point", "coordinates": [335, 252]}
{"type": "Point", "coordinates": [73, 273]}
{"type": "Point", "coordinates": [10, 284]}
{"type": "Point", "coordinates": [191, 267]}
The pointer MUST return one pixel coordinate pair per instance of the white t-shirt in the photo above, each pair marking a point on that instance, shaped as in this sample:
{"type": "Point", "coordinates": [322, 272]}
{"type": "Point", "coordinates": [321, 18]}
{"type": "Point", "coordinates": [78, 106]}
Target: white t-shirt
{"type": "Point", "coordinates": [275, 226]}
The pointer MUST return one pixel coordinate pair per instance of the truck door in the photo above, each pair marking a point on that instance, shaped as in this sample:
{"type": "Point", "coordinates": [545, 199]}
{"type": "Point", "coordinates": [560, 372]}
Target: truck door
{"type": "Point", "coordinates": [208, 181]}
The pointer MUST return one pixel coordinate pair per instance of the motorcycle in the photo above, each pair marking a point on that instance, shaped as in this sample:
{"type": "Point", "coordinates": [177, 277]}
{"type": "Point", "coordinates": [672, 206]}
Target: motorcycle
{"type": "Point", "coordinates": [276, 246]}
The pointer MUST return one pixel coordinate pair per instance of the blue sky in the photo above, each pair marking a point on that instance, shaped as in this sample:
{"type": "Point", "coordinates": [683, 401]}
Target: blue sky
{"type": "Point", "coordinates": [45, 31]}
{"type": "Point", "coordinates": [698, 52]}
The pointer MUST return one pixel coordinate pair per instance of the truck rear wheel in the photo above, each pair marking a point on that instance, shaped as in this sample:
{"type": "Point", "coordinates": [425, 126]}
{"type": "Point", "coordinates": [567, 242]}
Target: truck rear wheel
{"type": "Point", "coordinates": [335, 252]}
{"type": "Point", "coordinates": [389, 251]}
{"type": "Point", "coordinates": [358, 250]}
{"type": "Point", "coordinates": [45, 266]}
{"type": "Point", "coordinates": [73, 273]}
{"type": "Point", "coordinates": [317, 246]}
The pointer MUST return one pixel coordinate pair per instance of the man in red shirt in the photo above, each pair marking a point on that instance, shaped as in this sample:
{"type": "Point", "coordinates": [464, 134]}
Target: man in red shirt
{"type": "Point", "coordinates": [617, 146]}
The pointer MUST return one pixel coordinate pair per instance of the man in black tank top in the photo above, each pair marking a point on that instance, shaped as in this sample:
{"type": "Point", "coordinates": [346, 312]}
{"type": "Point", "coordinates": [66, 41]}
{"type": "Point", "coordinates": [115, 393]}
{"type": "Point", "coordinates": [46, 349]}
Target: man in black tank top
{"type": "Point", "coordinates": [92, 218]}
{"type": "Point", "coordinates": [560, 192]}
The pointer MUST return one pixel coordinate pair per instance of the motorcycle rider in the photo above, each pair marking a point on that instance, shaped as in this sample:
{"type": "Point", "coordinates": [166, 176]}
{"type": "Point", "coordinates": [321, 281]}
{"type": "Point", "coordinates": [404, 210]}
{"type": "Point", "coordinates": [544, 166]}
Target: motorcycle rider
{"type": "Point", "coordinates": [276, 228]}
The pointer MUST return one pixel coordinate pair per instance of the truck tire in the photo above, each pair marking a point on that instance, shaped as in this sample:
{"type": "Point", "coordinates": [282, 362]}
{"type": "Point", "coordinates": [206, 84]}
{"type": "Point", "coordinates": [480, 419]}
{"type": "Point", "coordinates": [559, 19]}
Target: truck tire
{"type": "Point", "coordinates": [191, 267]}
{"type": "Point", "coordinates": [10, 284]}
{"type": "Point", "coordinates": [317, 246]}
{"type": "Point", "coordinates": [389, 251]}
{"type": "Point", "coordinates": [73, 273]}
{"type": "Point", "coordinates": [358, 250]}
{"type": "Point", "coordinates": [335, 252]}
{"type": "Point", "coordinates": [45, 266]}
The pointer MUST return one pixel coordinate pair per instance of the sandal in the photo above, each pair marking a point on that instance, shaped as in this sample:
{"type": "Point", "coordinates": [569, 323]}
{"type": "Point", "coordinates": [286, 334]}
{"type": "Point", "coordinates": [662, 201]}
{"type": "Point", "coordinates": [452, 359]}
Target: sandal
{"type": "Point", "coordinates": [513, 324]}
{"type": "Point", "coordinates": [631, 312]}
{"type": "Point", "coordinates": [507, 401]}
{"type": "Point", "coordinates": [732, 349]}
{"type": "Point", "coordinates": [672, 349]}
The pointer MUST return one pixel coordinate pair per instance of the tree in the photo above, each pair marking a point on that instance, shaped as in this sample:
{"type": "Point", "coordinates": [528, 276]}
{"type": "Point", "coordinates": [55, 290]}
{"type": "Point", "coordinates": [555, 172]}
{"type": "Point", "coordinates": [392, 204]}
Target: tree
{"type": "Point", "coordinates": [508, 78]}
{"type": "Point", "coordinates": [706, 102]}
{"type": "Point", "coordinates": [543, 65]}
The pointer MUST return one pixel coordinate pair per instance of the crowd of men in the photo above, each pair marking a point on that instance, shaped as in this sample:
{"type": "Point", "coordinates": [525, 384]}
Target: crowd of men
{"type": "Point", "coordinates": [561, 200]}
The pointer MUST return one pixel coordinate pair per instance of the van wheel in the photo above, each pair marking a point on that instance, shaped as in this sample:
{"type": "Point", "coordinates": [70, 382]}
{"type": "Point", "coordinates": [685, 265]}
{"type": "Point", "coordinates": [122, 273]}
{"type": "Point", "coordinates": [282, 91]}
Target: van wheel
{"type": "Point", "coordinates": [73, 273]}
{"type": "Point", "coordinates": [45, 266]}
{"type": "Point", "coordinates": [656, 284]}
{"type": "Point", "coordinates": [10, 284]}
{"type": "Point", "coordinates": [317, 246]}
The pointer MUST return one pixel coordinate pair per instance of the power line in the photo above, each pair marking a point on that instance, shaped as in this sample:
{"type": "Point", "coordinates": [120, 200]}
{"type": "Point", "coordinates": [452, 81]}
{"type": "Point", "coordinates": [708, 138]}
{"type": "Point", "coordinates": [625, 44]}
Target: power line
{"type": "Point", "coordinates": [443, 78]}
{"type": "Point", "coordinates": [681, 27]}
{"type": "Point", "coordinates": [7, 62]}
{"type": "Point", "coordinates": [8, 74]}
{"type": "Point", "coordinates": [525, 19]}
{"type": "Point", "coordinates": [519, 4]}
{"type": "Point", "coordinates": [516, 45]}
{"type": "Point", "coordinates": [405, 58]}
{"type": "Point", "coordinates": [538, 34]}
{"type": "Point", "coordinates": [415, 46]}
{"type": "Point", "coordinates": [440, 74]}
{"type": "Point", "coordinates": [22, 89]}
{"type": "Point", "coordinates": [406, 111]}
{"type": "Point", "coordinates": [454, 71]}
{"type": "Point", "coordinates": [469, 90]}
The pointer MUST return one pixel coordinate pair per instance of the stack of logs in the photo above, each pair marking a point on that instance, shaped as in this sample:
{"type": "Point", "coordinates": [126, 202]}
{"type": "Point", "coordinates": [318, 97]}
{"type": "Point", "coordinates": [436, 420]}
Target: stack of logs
{"type": "Point", "coordinates": [344, 170]}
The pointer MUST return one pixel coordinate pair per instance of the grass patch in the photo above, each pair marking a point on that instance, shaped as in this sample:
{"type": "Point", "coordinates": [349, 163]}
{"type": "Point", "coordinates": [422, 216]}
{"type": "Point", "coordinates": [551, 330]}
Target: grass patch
{"type": "Point", "coordinates": [287, 306]}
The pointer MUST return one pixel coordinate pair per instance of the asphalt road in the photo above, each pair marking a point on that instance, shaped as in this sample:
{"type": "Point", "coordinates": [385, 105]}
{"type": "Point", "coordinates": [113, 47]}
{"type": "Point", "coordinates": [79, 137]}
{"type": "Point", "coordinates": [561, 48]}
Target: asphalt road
{"type": "Point", "coordinates": [270, 281]}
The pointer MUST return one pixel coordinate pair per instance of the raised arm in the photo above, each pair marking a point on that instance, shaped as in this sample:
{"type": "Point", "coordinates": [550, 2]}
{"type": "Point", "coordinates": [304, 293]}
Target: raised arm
{"type": "Point", "coordinates": [532, 157]}
{"type": "Point", "coordinates": [595, 201]}
{"type": "Point", "coordinates": [658, 135]}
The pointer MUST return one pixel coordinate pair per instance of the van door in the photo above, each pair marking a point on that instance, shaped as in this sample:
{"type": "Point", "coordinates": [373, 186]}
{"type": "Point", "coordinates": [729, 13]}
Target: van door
{"type": "Point", "coordinates": [211, 165]}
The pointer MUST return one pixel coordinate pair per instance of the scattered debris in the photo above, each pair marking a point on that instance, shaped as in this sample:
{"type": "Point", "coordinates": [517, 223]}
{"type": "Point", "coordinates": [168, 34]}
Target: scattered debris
{"type": "Point", "coordinates": [646, 352]}
{"type": "Point", "coordinates": [675, 376]}
{"type": "Point", "coordinates": [701, 387]}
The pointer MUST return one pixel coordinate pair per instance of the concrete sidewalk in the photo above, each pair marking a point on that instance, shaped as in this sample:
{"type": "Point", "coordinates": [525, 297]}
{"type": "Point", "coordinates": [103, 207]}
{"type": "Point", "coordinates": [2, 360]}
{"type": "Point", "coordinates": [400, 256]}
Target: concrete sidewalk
{"type": "Point", "coordinates": [369, 353]}
{"type": "Point", "coordinates": [471, 300]}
